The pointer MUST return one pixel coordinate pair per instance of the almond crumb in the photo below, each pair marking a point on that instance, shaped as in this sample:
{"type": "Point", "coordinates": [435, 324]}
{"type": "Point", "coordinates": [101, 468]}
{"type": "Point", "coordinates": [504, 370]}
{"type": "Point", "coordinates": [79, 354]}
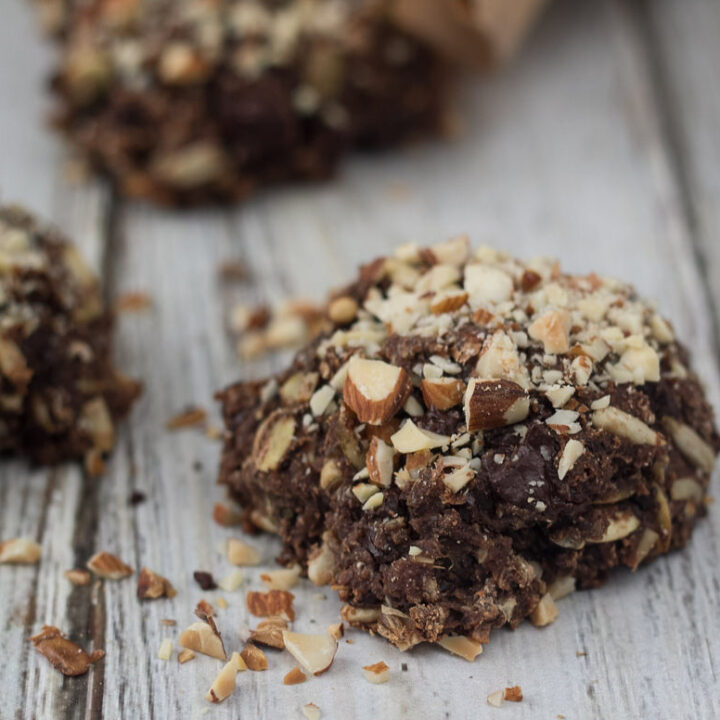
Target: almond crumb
{"type": "Point", "coordinates": [497, 698]}
{"type": "Point", "coordinates": [225, 515]}
{"type": "Point", "coordinates": [337, 630]}
{"type": "Point", "coordinates": [78, 576]}
{"type": "Point", "coordinates": [240, 553]}
{"type": "Point", "coordinates": [165, 650]}
{"type": "Point", "coordinates": [152, 586]}
{"type": "Point", "coordinates": [108, 566]}
{"type": "Point", "coordinates": [273, 602]}
{"type": "Point", "coordinates": [185, 656]}
{"type": "Point", "coordinates": [19, 551]}
{"type": "Point", "coordinates": [513, 694]}
{"type": "Point", "coordinates": [254, 658]}
{"type": "Point", "coordinates": [270, 632]}
{"type": "Point", "coordinates": [222, 603]}
{"type": "Point", "coordinates": [295, 677]}
{"type": "Point", "coordinates": [311, 711]}
{"type": "Point", "coordinates": [190, 417]}
{"type": "Point", "coordinates": [378, 673]}
{"type": "Point", "coordinates": [134, 301]}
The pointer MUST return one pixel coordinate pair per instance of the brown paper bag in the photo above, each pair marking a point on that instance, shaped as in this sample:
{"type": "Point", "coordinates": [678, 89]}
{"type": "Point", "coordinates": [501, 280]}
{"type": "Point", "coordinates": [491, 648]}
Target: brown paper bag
{"type": "Point", "coordinates": [475, 33]}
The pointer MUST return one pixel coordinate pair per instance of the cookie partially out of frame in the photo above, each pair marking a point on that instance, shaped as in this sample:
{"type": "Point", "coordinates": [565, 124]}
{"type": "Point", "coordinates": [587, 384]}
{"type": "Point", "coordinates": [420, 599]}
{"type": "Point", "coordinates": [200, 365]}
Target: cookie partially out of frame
{"type": "Point", "coordinates": [60, 395]}
{"type": "Point", "coordinates": [185, 101]}
{"type": "Point", "coordinates": [471, 439]}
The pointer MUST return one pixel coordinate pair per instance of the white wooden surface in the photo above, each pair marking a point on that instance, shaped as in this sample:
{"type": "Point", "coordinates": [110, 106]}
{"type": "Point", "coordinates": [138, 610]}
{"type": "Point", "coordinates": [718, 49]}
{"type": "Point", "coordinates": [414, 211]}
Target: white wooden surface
{"type": "Point", "coordinates": [599, 146]}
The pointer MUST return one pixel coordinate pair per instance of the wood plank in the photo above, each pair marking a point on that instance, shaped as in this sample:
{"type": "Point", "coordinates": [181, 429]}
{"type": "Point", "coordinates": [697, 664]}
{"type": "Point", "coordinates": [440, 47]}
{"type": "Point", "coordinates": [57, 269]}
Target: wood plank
{"type": "Point", "coordinates": [562, 155]}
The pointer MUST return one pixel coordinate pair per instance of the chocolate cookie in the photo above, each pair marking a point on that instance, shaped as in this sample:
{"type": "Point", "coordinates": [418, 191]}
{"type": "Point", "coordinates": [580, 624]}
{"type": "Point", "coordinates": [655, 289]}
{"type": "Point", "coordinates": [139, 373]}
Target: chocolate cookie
{"type": "Point", "coordinates": [471, 439]}
{"type": "Point", "coordinates": [60, 395]}
{"type": "Point", "coordinates": [184, 101]}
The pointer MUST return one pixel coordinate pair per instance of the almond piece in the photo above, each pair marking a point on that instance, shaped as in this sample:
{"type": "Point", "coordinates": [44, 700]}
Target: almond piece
{"type": "Point", "coordinates": [552, 329]}
{"type": "Point", "coordinates": [494, 403]}
{"type": "Point", "coordinates": [321, 563]}
{"type": "Point", "coordinates": [295, 677]}
{"type": "Point", "coordinates": [272, 441]}
{"type": "Point", "coordinates": [690, 444]}
{"type": "Point", "coordinates": [626, 426]}
{"type": "Point", "coordinates": [462, 646]}
{"type": "Point", "coordinates": [379, 462]}
{"type": "Point", "coordinates": [375, 390]}
{"type": "Point", "coordinates": [281, 579]}
{"type": "Point", "coordinates": [165, 651]}
{"type": "Point", "coordinates": [254, 658]}
{"type": "Point", "coordinates": [497, 698]}
{"type": "Point", "coordinates": [378, 673]}
{"type": "Point", "coordinates": [343, 310]}
{"type": "Point", "coordinates": [330, 475]}
{"type": "Point", "coordinates": [545, 611]}
{"type": "Point", "coordinates": [226, 516]}
{"type": "Point", "coordinates": [269, 632]}
{"type": "Point", "coordinates": [273, 602]}
{"type": "Point", "coordinates": [337, 630]}
{"type": "Point", "coordinates": [240, 553]}
{"type": "Point", "coordinates": [311, 711]}
{"type": "Point", "coordinates": [20, 551]}
{"type": "Point", "coordinates": [442, 393]}
{"type": "Point", "coordinates": [185, 656]}
{"type": "Point", "coordinates": [314, 652]}
{"type": "Point", "coordinates": [448, 301]}
{"type": "Point", "coordinates": [410, 438]}
{"type": "Point", "coordinates": [152, 586]}
{"type": "Point", "coordinates": [201, 638]}
{"type": "Point", "coordinates": [108, 566]}
{"type": "Point", "coordinates": [78, 576]}
{"type": "Point", "coordinates": [190, 417]}
{"type": "Point", "coordinates": [513, 694]}
{"type": "Point", "coordinates": [224, 684]}
{"type": "Point", "coordinates": [359, 616]}
{"type": "Point", "coordinates": [63, 654]}
{"type": "Point", "coordinates": [571, 452]}
{"type": "Point", "coordinates": [621, 525]}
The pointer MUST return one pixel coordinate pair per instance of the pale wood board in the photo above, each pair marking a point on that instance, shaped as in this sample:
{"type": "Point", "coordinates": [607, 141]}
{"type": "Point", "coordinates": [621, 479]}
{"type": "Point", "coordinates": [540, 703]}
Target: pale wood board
{"type": "Point", "coordinates": [573, 151]}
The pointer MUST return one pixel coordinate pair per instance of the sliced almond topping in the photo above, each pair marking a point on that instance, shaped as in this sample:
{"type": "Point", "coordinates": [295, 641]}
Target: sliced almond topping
{"type": "Point", "coordinates": [20, 551]}
{"type": "Point", "coordinates": [494, 403]}
{"type": "Point", "coordinates": [108, 566]}
{"type": "Point", "coordinates": [272, 441]}
{"type": "Point", "coordinates": [152, 586]}
{"type": "Point", "coordinates": [185, 656]}
{"type": "Point", "coordinates": [552, 330]}
{"type": "Point", "coordinates": [165, 650]}
{"type": "Point", "coordinates": [410, 438]}
{"type": "Point", "coordinates": [224, 684]}
{"type": "Point", "coordinates": [78, 577]}
{"type": "Point", "coordinates": [379, 462]}
{"type": "Point", "coordinates": [377, 674]}
{"type": "Point", "coordinates": [281, 579]}
{"type": "Point", "coordinates": [375, 390]}
{"type": "Point", "coordinates": [690, 444]}
{"type": "Point", "coordinates": [254, 658]}
{"type": "Point", "coordinates": [269, 632]}
{"type": "Point", "coordinates": [571, 452]}
{"type": "Point", "coordinates": [442, 393]}
{"type": "Point", "coordinates": [273, 602]}
{"type": "Point", "coordinates": [545, 611]}
{"type": "Point", "coordinates": [314, 652]}
{"type": "Point", "coordinates": [63, 654]}
{"type": "Point", "coordinates": [201, 638]}
{"type": "Point", "coordinates": [626, 426]}
{"type": "Point", "coordinates": [321, 399]}
{"type": "Point", "coordinates": [462, 646]}
{"type": "Point", "coordinates": [240, 553]}
{"type": "Point", "coordinates": [621, 525]}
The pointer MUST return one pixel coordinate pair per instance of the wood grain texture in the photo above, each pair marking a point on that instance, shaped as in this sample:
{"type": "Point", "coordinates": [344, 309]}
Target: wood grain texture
{"type": "Point", "coordinates": [568, 153]}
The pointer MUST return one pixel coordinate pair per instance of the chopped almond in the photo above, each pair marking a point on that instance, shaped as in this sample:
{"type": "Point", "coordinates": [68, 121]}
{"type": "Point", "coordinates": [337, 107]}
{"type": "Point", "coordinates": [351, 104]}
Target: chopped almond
{"type": "Point", "coordinates": [225, 515]}
{"type": "Point", "coordinates": [165, 650]}
{"type": "Point", "coordinates": [19, 551]}
{"type": "Point", "coordinates": [281, 579]}
{"type": "Point", "coordinates": [191, 417]}
{"type": "Point", "coordinates": [254, 658]}
{"type": "Point", "coordinates": [269, 632]}
{"type": "Point", "coordinates": [240, 553]}
{"type": "Point", "coordinates": [224, 684]}
{"type": "Point", "coordinates": [222, 603]}
{"type": "Point", "coordinates": [337, 630]}
{"type": "Point", "coordinates": [314, 652]}
{"type": "Point", "coordinates": [377, 674]}
{"type": "Point", "coordinates": [497, 698]}
{"type": "Point", "coordinates": [78, 576]}
{"type": "Point", "coordinates": [108, 566]}
{"type": "Point", "coordinates": [232, 581]}
{"type": "Point", "coordinates": [152, 586]}
{"type": "Point", "coordinates": [514, 694]}
{"type": "Point", "coordinates": [134, 301]}
{"type": "Point", "coordinates": [201, 638]}
{"type": "Point", "coordinates": [375, 390]}
{"type": "Point", "coordinates": [311, 711]}
{"type": "Point", "coordinates": [185, 656]}
{"type": "Point", "coordinates": [462, 646]}
{"type": "Point", "coordinates": [295, 677]}
{"type": "Point", "coordinates": [63, 654]}
{"type": "Point", "coordinates": [273, 602]}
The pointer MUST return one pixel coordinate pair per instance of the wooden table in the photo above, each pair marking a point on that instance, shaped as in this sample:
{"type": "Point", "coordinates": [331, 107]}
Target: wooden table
{"type": "Point", "coordinates": [599, 145]}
